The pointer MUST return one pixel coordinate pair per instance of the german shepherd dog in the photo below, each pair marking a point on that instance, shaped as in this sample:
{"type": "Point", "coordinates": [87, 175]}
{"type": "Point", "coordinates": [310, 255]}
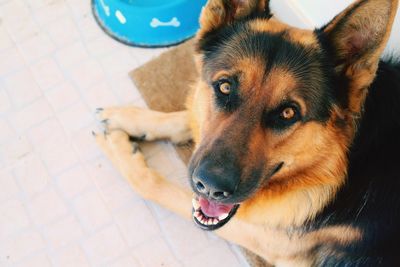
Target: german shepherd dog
{"type": "Point", "coordinates": [296, 132]}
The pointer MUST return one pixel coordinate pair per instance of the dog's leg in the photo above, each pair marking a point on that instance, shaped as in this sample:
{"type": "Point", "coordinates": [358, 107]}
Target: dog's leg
{"type": "Point", "coordinates": [147, 124]}
{"type": "Point", "coordinates": [127, 158]}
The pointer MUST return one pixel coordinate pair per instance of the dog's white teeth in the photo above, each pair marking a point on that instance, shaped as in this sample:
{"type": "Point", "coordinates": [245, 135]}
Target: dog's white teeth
{"type": "Point", "coordinates": [195, 204]}
{"type": "Point", "coordinates": [204, 220]}
{"type": "Point", "coordinates": [223, 216]}
{"type": "Point", "coordinates": [198, 215]}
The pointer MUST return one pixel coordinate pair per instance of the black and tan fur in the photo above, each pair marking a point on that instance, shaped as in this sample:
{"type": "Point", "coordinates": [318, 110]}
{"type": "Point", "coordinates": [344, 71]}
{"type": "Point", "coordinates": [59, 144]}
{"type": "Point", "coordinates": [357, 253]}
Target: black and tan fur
{"type": "Point", "coordinates": [321, 189]}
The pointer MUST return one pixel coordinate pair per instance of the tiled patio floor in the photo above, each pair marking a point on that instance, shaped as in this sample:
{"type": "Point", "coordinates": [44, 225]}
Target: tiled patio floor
{"type": "Point", "coordinates": [61, 202]}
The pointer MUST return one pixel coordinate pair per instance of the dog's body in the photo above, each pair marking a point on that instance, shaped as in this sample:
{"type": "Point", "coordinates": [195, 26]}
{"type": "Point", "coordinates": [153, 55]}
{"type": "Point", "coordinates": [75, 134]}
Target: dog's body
{"type": "Point", "coordinates": [370, 199]}
{"type": "Point", "coordinates": [283, 126]}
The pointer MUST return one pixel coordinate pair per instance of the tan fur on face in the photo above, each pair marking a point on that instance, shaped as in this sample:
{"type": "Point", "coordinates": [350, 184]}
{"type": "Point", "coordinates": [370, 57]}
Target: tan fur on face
{"type": "Point", "coordinates": [315, 168]}
{"type": "Point", "coordinates": [272, 25]}
{"type": "Point", "coordinates": [309, 178]}
{"type": "Point", "coordinates": [314, 153]}
{"type": "Point", "coordinates": [279, 85]}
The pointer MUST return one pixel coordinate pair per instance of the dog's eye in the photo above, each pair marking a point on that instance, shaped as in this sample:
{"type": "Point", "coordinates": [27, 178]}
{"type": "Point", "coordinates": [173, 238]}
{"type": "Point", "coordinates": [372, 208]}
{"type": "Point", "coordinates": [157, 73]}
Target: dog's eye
{"type": "Point", "coordinates": [225, 87]}
{"type": "Point", "coordinates": [288, 113]}
{"type": "Point", "coordinates": [283, 117]}
{"type": "Point", "coordinates": [226, 93]}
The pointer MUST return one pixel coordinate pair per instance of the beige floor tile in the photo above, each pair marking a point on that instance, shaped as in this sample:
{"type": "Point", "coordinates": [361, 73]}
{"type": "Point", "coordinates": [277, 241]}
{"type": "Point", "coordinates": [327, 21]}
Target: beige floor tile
{"type": "Point", "coordinates": [40, 260]}
{"type": "Point", "coordinates": [8, 186]}
{"type": "Point", "coordinates": [32, 175]}
{"type": "Point", "coordinates": [23, 29]}
{"type": "Point", "coordinates": [118, 195]}
{"type": "Point", "coordinates": [99, 251]}
{"type": "Point", "coordinates": [187, 245]}
{"type": "Point", "coordinates": [40, 43]}
{"type": "Point", "coordinates": [47, 73]}
{"type": "Point", "coordinates": [71, 54]}
{"type": "Point", "coordinates": [127, 261]}
{"type": "Point", "coordinates": [155, 252]}
{"type": "Point", "coordinates": [5, 39]}
{"type": "Point", "coordinates": [47, 207]}
{"type": "Point", "coordinates": [15, 150]}
{"type": "Point", "coordinates": [100, 95]}
{"type": "Point", "coordinates": [214, 255]}
{"type": "Point", "coordinates": [72, 256]}
{"type": "Point", "coordinates": [11, 60]}
{"type": "Point", "coordinates": [14, 218]}
{"type": "Point", "coordinates": [102, 172]}
{"type": "Point", "coordinates": [137, 223]}
{"type": "Point", "coordinates": [84, 143]}
{"type": "Point", "coordinates": [67, 35]}
{"type": "Point", "coordinates": [6, 131]}
{"type": "Point", "coordinates": [75, 117]}
{"type": "Point", "coordinates": [22, 88]}
{"type": "Point", "coordinates": [62, 96]}
{"type": "Point", "coordinates": [5, 101]}
{"type": "Point", "coordinates": [63, 232]}
{"type": "Point", "coordinates": [92, 211]}
{"type": "Point", "coordinates": [31, 115]}
{"type": "Point", "coordinates": [74, 181]}
{"type": "Point", "coordinates": [15, 249]}
{"type": "Point", "coordinates": [87, 73]}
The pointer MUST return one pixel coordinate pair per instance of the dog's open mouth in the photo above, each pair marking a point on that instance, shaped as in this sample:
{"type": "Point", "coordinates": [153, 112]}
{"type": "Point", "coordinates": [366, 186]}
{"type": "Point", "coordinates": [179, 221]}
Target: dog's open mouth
{"type": "Point", "coordinates": [211, 215]}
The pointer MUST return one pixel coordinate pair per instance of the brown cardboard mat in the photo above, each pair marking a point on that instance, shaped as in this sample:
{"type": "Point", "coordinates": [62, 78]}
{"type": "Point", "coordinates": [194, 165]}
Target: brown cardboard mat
{"type": "Point", "coordinates": [164, 83]}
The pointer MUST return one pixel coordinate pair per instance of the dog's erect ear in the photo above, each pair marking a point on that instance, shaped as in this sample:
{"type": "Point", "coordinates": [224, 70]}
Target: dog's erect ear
{"type": "Point", "coordinates": [218, 13]}
{"type": "Point", "coordinates": [359, 35]}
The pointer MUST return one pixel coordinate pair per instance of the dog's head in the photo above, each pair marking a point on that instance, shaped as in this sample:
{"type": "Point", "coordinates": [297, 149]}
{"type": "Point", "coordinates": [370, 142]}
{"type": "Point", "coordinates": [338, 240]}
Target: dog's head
{"type": "Point", "coordinates": [277, 108]}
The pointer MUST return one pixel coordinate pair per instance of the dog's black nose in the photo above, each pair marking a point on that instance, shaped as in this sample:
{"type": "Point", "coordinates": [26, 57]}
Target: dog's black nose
{"type": "Point", "coordinates": [211, 191]}
{"type": "Point", "coordinates": [214, 182]}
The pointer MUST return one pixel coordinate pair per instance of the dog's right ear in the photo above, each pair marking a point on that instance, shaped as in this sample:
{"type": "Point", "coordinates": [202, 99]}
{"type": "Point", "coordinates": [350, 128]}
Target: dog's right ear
{"type": "Point", "coordinates": [358, 36]}
{"type": "Point", "coordinates": [218, 13]}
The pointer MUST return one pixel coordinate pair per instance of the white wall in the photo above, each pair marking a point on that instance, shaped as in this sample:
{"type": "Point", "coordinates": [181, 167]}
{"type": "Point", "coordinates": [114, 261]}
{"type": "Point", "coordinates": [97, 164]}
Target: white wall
{"type": "Point", "coordinates": [315, 13]}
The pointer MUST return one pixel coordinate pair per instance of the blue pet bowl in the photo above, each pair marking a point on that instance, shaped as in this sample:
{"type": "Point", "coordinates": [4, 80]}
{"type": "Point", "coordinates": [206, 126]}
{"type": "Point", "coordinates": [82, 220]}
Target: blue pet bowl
{"type": "Point", "coordinates": [148, 23]}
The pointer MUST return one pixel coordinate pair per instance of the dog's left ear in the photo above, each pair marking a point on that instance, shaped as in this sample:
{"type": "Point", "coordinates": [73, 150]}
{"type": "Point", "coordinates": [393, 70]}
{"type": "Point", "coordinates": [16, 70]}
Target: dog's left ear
{"type": "Point", "coordinates": [218, 13]}
{"type": "Point", "coordinates": [359, 35]}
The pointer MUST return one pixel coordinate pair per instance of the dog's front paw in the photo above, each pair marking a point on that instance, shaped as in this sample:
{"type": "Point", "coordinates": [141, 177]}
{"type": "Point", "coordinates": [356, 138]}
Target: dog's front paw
{"type": "Point", "coordinates": [129, 160]}
{"type": "Point", "coordinates": [132, 120]}
{"type": "Point", "coordinates": [116, 144]}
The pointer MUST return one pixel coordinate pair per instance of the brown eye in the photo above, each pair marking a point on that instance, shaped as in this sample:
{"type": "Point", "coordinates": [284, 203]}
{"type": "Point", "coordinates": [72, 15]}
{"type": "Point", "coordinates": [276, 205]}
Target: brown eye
{"type": "Point", "coordinates": [288, 113]}
{"type": "Point", "coordinates": [225, 88]}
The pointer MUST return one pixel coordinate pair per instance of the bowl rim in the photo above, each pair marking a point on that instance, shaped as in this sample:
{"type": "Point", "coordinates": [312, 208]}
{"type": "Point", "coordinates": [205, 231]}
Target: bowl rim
{"type": "Point", "coordinates": [167, 4]}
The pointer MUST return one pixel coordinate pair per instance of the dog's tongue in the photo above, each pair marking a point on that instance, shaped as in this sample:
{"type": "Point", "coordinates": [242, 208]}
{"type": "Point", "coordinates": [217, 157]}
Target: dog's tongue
{"type": "Point", "coordinates": [214, 209]}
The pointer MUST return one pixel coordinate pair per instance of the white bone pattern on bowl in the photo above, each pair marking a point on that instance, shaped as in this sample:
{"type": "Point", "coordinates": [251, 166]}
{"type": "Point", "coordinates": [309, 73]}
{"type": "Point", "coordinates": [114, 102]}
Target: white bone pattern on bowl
{"type": "Point", "coordinates": [174, 22]}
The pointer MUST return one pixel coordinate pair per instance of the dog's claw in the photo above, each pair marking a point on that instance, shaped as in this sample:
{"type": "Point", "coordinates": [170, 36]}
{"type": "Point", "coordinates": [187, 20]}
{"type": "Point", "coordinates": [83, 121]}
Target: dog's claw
{"type": "Point", "coordinates": [135, 147]}
{"type": "Point", "coordinates": [94, 133]}
{"type": "Point", "coordinates": [99, 110]}
{"type": "Point", "coordinates": [138, 139]}
{"type": "Point", "coordinates": [104, 121]}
